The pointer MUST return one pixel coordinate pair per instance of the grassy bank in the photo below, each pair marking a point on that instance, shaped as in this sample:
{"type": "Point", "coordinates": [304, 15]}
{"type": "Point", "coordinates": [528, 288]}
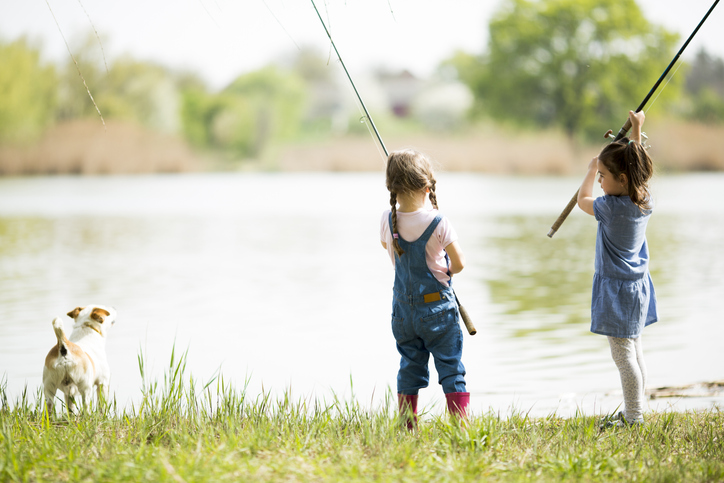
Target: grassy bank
{"type": "Point", "coordinates": [184, 431]}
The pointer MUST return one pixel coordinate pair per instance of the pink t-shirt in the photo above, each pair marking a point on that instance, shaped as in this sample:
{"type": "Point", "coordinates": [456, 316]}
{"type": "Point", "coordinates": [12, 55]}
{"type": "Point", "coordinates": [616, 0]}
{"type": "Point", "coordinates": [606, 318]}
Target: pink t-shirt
{"type": "Point", "coordinates": [411, 226]}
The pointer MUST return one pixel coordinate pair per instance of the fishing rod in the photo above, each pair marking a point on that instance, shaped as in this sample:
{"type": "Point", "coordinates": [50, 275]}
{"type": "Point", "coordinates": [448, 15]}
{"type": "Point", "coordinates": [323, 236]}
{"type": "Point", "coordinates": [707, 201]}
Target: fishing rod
{"type": "Point", "coordinates": [627, 125]}
{"type": "Point", "coordinates": [463, 313]}
{"type": "Point", "coordinates": [367, 114]}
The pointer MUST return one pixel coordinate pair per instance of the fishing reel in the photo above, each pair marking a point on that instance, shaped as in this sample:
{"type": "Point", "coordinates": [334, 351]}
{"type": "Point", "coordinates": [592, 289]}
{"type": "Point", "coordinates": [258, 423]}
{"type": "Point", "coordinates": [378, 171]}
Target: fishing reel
{"type": "Point", "coordinates": [644, 138]}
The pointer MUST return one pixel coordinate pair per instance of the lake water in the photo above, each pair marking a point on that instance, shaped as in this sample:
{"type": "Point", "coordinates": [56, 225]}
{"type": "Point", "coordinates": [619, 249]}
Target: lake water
{"type": "Point", "coordinates": [279, 282]}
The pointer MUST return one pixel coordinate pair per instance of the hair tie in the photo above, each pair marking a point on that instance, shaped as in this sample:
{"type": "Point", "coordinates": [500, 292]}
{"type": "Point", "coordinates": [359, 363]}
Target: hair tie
{"type": "Point", "coordinates": [395, 236]}
{"type": "Point", "coordinates": [631, 141]}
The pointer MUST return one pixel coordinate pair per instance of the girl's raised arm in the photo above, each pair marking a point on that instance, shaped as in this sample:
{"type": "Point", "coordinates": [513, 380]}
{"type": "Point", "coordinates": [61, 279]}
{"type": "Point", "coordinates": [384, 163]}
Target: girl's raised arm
{"type": "Point", "coordinates": [637, 121]}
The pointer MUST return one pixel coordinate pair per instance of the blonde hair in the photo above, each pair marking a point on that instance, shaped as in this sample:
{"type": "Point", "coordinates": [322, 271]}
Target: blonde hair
{"type": "Point", "coordinates": [630, 158]}
{"type": "Point", "coordinates": [407, 171]}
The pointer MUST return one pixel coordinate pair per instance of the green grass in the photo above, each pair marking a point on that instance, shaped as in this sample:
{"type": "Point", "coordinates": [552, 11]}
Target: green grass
{"type": "Point", "coordinates": [186, 431]}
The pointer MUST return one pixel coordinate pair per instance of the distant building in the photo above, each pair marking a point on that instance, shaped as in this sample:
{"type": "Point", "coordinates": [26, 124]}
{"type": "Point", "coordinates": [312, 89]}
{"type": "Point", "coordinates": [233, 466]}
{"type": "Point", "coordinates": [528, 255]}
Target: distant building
{"type": "Point", "coordinates": [400, 89]}
{"type": "Point", "coordinates": [442, 104]}
{"type": "Point", "coordinates": [438, 103]}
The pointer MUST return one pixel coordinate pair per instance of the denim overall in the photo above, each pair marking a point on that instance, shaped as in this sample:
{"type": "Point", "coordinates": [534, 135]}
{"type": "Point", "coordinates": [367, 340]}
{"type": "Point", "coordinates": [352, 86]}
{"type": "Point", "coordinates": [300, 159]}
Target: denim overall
{"type": "Point", "coordinates": [424, 321]}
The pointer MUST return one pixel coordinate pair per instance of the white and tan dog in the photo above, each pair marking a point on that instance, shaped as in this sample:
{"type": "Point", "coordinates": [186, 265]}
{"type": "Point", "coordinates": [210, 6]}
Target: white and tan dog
{"type": "Point", "coordinates": [77, 364]}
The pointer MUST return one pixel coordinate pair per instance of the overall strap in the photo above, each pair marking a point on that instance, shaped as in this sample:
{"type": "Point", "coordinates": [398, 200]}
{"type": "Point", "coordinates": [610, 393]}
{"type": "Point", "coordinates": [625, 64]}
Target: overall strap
{"type": "Point", "coordinates": [430, 229]}
{"type": "Point", "coordinates": [425, 235]}
{"type": "Point", "coordinates": [447, 262]}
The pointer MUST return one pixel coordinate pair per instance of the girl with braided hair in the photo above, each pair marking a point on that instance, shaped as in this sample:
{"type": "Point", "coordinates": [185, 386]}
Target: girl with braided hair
{"type": "Point", "coordinates": [624, 300]}
{"type": "Point", "coordinates": [425, 253]}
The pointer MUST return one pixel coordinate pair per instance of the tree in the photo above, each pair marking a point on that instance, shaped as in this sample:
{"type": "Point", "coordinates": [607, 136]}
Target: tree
{"type": "Point", "coordinates": [80, 74]}
{"type": "Point", "coordinates": [576, 64]}
{"type": "Point", "coordinates": [705, 86]}
{"type": "Point", "coordinates": [273, 101]}
{"type": "Point", "coordinates": [244, 118]}
{"type": "Point", "coordinates": [706, 72]}
{"type": "Point", "coordinates": [130, 90]}
{"type": "Point", "coordinates": [27, 93]}
{"type": "Point", "coordinates": [142, 92]}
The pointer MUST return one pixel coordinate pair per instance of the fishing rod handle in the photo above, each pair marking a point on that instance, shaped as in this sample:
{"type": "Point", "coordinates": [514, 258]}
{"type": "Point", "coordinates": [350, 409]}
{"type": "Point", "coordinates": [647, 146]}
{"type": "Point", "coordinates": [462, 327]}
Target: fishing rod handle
{"type": "Point", "coordinates": [466, 319]}
{"type": "Point", "coordinates": [564, 214]}
{"type": "Point", "coordinates": [624, 130]}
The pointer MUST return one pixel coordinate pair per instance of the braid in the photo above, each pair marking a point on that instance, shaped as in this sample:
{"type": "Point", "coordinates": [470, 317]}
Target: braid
{"type": "Point", "coordinates": [393, 228]}
{"type": "Point", "coordinates": [408, 171]}
{"type": "Point", "coordinates": [433, 196]}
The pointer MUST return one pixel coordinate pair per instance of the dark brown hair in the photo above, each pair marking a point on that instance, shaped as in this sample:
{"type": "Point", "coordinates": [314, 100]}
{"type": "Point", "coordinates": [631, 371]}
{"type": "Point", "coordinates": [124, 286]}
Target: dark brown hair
{"type": "Point", "coordinates": [407, 171]}
{"type": "Point", "coordinates": [630, 158]}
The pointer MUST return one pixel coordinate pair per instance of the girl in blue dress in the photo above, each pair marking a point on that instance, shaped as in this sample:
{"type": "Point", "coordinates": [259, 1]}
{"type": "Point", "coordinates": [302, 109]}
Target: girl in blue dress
{"type": "Point", "coordinates": [623, 300]}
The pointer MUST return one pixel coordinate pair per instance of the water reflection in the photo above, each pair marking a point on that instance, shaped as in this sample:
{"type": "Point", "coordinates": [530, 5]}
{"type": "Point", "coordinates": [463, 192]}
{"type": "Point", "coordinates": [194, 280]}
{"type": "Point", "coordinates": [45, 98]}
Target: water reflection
{"type": "Point", "coordinates": [533, 275]}
{"type": "Point", "coordinates": [297, 293]}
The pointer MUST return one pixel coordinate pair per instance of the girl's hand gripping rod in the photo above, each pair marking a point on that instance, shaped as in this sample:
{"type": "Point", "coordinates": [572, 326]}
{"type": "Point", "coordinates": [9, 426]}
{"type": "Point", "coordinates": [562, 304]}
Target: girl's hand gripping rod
{"type": "Point", "coordinates": [463, 313]}
{"type": "Point", "coordinates": [624, 130]}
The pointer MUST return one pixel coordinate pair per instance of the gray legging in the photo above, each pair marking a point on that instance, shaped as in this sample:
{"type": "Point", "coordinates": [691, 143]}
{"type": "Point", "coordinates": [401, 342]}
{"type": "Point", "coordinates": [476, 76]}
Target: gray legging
{"type": "Point", "coordinates": [629, 358]}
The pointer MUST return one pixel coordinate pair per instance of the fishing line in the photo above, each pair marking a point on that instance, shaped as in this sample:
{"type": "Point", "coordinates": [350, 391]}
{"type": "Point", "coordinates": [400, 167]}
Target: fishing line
{"type": "Point", "coordinates": [363, 120]}
{"type": "Point", "coordinates": [282, 26]}
{"type": "Point", "coordinates": [210, 16]}
{"type": "Point", "coordinates": [77, 67]}
{"type": "Point", "coordinates": [463, 313]}
{"type": "Point", "coordinates": [329, 22]}
{"type": "Point", "coordinates": [358, 105]}
{"type": "Point", "coordinates": [664, 87]}
{"type": "Point", "coordinates": [367, 114]}
{"type": "Point", "coordinates": [90, 21]}
{"type": "Point", "coordinates": [391, 12]}
{"type": "Point", "coordinates": [622, 133]}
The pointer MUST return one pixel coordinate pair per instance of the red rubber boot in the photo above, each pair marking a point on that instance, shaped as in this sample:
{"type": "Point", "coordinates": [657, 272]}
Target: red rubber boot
{"type": "Point", "coordinates": [457, 403]}
{"type": "Point", "coordinates": [408, 409]}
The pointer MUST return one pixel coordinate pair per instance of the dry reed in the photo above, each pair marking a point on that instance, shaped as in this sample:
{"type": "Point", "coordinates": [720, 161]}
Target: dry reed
{"type": "Point", "coordinates": [84, 147]}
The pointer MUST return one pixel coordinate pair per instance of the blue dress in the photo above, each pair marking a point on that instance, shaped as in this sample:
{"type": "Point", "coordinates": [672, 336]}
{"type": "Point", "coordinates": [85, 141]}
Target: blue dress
{"type": "Point", "coordinates": [623, 300]}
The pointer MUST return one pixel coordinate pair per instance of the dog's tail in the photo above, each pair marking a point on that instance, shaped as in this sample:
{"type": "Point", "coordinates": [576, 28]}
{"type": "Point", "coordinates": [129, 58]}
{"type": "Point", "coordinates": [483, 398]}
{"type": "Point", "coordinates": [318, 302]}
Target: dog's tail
{"type": "Point", "coordinates": [60, 335]}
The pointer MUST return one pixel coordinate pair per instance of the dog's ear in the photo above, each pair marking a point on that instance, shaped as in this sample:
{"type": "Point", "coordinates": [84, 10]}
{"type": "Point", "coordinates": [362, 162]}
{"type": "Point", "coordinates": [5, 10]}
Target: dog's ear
{"type": "Point", "coordinates": [99, 314]}
{"type": "Point", "coordinates": [74, 313]}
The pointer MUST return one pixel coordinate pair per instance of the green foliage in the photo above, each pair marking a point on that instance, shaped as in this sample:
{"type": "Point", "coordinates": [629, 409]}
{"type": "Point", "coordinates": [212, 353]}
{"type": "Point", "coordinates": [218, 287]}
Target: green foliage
{"type": "Point", "coordinates": [236, 126]}
{"type": "Point", "coordinates": [312, 65]}
{"type": "Point", "coordinates": [141, 92]}
{"type": "Point", "coordinates": [707, 72]}
{"type": "Point", "coordinates": [197, 111]}
{"type": "Point", "coordinates": [130, 90]}
{"type": "Point", "coordinates": [27, 92]}
{"type": "Point", "coordinates": [576, 64]}
{"type": "Point", "coordinates": [276, 99]}
{"type": "Point", "coordinates": [705, 85]}
{"type": "Point", "coordinates": [257, 109]}
{"type": "Point", "coordinates": [707, 107]}
{"type": "Point", "coordinates": [86, 71]}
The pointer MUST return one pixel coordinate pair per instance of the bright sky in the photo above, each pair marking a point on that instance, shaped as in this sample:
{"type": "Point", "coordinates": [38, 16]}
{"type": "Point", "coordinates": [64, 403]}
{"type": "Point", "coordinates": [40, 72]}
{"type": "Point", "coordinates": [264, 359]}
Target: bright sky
{"type": "Point", "coordinates": [221, 39]}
